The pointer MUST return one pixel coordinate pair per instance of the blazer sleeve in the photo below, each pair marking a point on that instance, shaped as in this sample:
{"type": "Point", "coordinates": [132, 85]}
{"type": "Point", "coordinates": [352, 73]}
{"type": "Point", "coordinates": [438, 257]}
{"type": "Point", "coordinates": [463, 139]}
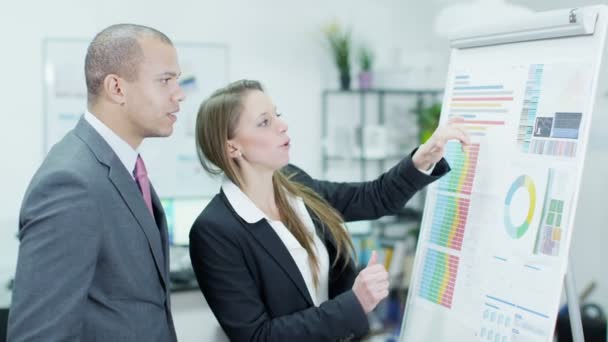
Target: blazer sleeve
{"type": "Point", "coordinates": [385, 195]}
{"type": "Point", "coordinates": [59, 243]}
{"type": "Point", "coordinates": [231, 291]}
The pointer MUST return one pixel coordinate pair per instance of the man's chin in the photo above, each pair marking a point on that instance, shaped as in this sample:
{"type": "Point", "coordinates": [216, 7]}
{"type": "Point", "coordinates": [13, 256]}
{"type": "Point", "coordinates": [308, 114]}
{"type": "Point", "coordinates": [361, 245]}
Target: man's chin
{"type": "Point", "coordinates": [161, 134]}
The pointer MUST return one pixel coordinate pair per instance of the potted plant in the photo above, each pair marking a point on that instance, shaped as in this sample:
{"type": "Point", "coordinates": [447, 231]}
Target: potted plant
{"type": "Point", "coordinates": [340, 45]}
{"type": "Point", "coordinates": [366, 59]}
{"type": "Point", "coordinates": [428, 121]}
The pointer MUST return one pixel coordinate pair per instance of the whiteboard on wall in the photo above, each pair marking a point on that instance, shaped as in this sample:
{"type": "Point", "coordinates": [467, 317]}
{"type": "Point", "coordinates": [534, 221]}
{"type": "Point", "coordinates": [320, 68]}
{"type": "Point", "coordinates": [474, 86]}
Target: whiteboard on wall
{"type": "Point", "coordinates": [496, 231]}
{"type": "Point", "coordinates": [172, 162]}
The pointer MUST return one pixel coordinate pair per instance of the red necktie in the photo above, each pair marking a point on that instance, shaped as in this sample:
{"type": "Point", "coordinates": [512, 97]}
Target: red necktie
{"type": "Point", "coordinates": [141, 177]}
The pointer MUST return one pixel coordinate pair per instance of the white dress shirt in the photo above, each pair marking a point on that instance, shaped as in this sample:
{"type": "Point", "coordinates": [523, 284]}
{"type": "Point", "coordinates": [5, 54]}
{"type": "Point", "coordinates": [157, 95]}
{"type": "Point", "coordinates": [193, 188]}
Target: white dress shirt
{"type": "Point", "coordinates": [124, 151]}
{"type": "Point", "coordinates": [429, 171]}
{"type": "Point", "coordinates": [248, 211]}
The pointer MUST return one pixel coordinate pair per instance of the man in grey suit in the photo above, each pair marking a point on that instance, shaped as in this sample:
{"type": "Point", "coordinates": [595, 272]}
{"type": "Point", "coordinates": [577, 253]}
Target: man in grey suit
{"type": "Point", "coordinates": [93, 256]}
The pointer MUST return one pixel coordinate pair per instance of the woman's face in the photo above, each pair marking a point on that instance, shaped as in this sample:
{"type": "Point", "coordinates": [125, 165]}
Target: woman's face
{"type": "Point", "coordinates": [260, 138]}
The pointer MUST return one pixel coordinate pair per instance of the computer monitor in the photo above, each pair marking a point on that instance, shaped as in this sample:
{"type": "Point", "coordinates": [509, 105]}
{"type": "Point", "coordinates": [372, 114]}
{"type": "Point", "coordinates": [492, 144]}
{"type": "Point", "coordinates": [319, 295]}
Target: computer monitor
{"type": "Point", "coordinates": [181, 213]}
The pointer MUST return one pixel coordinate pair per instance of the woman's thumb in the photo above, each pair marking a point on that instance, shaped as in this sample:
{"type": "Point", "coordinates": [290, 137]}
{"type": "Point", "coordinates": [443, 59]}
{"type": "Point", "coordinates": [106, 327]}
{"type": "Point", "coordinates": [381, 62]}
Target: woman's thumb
{"type": "Point", "coordinates": [373, 258]}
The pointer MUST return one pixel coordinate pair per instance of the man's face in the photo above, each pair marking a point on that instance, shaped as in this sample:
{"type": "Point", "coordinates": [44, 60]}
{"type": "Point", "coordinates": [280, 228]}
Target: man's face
{"type": "Point", "coordinates": [153, 98]}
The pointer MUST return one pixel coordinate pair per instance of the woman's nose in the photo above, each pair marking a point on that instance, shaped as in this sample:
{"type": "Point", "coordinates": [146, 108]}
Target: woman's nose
{"type": "Point", "coordinates": [282, 126]}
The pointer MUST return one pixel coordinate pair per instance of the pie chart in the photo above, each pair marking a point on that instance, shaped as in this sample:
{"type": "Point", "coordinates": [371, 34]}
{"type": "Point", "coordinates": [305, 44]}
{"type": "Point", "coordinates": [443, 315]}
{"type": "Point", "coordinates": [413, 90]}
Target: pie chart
{"type": "Point", "coordinates": [518, 229]}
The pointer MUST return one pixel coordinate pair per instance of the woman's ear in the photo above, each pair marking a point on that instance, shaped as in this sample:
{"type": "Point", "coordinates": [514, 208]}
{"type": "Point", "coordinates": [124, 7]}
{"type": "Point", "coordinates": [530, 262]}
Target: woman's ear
{"type": "Point", "coordinates": [233, 150]}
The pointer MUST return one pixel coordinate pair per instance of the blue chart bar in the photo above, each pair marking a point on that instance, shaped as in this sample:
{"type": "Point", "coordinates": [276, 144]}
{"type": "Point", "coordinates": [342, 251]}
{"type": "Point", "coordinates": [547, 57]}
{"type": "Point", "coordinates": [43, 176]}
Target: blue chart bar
{"type": "Point", "coordinates": [518, 306]}
{"type": "Point", "coordinates": [479, 87]}
{"type": "Point", "coordinates": [462, 80]}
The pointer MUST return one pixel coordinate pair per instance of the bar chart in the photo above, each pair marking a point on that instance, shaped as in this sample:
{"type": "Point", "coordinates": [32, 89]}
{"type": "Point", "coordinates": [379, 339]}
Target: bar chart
{"type": "Point", "coordinates": [439, 277]}
{"type": "Point", "coordinates": [480, 105]}
{"type": "Point", "coordinates": [530, 107]}
{"type": "Point", "coordinates": [449, 221]}
{"type": "Point", "coordinates": [463, 164]}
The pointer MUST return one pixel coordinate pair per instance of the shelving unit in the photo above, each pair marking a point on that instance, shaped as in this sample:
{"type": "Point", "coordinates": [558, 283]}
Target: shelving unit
{"type": "Point", "coordinates": [422, 97]}
{"type": "Point", "coordinates": [377, 107]}
{"type": "Point", "coordinates": [372, 107]}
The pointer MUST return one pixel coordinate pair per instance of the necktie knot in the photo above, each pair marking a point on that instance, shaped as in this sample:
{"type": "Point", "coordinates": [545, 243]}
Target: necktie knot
{"type": "Point", "coordinates": [140, 168]}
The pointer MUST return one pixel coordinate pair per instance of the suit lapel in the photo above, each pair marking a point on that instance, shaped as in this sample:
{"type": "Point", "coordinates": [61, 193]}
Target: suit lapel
{"type": "Point", "coordinates": [161, 222]}
{"type": "Point", "coordinates": [128, 190]}
{"type": "Point", "coordinates": [266, 236]}
{"type": "Point", "coordinates": [271, 242]}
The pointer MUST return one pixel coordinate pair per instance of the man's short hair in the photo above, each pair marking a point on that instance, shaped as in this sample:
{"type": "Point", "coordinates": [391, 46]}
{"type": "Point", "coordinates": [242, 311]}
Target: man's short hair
{"type": "Point", "coordinates": [116, 50]}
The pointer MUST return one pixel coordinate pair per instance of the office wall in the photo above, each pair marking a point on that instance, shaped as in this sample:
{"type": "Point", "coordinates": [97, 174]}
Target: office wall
{"type": "Point", "coordinates": [277, 42]}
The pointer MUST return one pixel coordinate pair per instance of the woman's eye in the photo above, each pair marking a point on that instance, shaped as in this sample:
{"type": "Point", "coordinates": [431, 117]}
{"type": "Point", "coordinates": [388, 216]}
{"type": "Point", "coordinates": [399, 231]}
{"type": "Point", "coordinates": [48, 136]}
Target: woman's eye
{"type": "Point", "coordinates": [264, 123]}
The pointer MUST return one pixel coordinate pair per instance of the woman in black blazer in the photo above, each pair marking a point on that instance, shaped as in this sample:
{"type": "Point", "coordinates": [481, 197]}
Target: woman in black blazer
{"type": "Point", "coordinates": [269, 251]}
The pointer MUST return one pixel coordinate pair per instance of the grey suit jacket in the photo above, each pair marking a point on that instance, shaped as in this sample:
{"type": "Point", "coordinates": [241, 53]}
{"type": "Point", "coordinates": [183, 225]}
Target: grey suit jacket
{"type": "Point", "coordinates": [93, 262]}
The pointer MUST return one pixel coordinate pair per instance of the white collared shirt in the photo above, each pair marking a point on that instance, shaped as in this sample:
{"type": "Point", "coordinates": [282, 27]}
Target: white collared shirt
{"type": "Point", "coordinates": [248, 211]}
{"type": "Point", "coordinates": [429, 171]}
{"type": "Point", "coordinates": [124, 151]}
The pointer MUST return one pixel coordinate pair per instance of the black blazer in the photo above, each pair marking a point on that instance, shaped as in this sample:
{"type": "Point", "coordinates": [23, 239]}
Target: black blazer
{"type": "Point", "coordinates": [254, 287]}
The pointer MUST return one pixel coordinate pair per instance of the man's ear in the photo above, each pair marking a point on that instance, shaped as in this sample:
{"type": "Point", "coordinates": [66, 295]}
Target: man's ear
{"type": "Point", "coordinates": [113, 87]}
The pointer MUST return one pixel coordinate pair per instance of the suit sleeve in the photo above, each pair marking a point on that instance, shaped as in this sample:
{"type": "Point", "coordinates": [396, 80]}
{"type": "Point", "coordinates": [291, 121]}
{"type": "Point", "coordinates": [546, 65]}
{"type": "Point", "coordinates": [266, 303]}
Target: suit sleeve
{"type": "Point", "coordinates": [231, 291]}
{"type": "Point", "coordinates": [385, 195]}
{"type": "Point", "coordinates": [59, 242]}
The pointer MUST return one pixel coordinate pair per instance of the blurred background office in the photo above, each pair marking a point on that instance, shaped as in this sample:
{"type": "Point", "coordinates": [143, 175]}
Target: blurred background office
{"type": "Point", "coordinates": [399, 55]}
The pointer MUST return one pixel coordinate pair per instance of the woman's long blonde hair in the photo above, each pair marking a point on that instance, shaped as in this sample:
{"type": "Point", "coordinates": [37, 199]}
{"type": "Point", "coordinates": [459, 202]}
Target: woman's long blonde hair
{"type": "Point", "coordinates": [216, 123]}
